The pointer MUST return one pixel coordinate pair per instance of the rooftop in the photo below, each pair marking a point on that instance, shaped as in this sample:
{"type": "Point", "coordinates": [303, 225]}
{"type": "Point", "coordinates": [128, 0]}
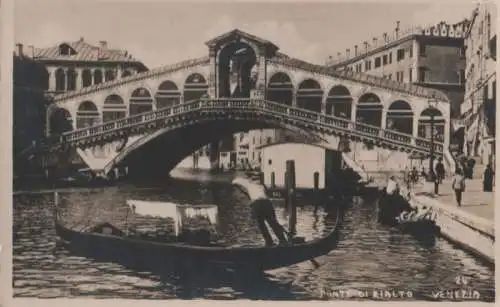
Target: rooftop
{"type": "Point", "coordinates": [83, 51]}
{"type": "Point", "coordinates": [442, 29]}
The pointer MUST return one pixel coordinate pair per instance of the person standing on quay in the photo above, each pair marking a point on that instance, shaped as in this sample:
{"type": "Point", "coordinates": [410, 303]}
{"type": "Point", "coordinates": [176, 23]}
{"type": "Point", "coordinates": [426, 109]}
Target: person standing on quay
{"type": "Point", "coordinates": [489, 174]}
{"type": "Point", "coordinates": [458, 186]}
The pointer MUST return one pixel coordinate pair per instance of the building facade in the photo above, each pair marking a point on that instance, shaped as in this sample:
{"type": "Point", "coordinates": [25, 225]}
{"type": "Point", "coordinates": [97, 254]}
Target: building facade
{"type": "Point", "coordinates": [478, 109]}
{"type": "Point", "coordinates": [74, 65]}
{"type": "Point", "coordinates": [431, 56]}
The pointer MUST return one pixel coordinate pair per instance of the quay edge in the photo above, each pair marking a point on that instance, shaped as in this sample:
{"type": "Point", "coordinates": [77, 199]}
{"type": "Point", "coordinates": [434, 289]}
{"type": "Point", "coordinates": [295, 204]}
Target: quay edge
{"type": "Point", "coordinates": [471, 233]}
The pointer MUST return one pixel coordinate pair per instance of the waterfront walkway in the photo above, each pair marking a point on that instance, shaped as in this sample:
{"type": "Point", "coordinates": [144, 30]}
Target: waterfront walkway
{"type": "Point", "coordinates": [474, 200]}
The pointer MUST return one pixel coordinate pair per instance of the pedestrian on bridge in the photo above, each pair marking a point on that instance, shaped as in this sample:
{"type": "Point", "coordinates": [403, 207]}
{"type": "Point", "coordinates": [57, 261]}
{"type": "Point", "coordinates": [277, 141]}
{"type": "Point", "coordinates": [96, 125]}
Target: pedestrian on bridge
{"type": "Point", "coordinates": [458, 185]}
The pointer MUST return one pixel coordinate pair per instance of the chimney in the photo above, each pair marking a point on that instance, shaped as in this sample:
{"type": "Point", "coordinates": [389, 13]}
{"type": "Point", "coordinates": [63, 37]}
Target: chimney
{"type": "Point", "coordinates": [385, 37]}
{"type": "Point", "coordinates": [31, 51]}
{"type": "Point", "coordinates": [347, 51]}
{"type": "Point", "coordinates": [355, 50]}
{"type": "Point", "coordinates": [375, 42]}
{"type": "Point", "coordinates": [103, 44]}
{"type": "Point", "coordinates": [81, 39]}
{"type": "Point", "coordinates": [339, 55]}
{"type": "Point", "coordinates": [397, 29]}
{"type": "Point", "coordinates": [19, 49]}
{"type": "Point", "coordinates": [366, 45]}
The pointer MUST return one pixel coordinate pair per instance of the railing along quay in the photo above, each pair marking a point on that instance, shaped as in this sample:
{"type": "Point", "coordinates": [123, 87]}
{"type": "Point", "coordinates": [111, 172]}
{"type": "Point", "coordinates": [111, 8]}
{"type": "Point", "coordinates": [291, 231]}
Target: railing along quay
{"type": "Point", "coordinates": [285, 112]}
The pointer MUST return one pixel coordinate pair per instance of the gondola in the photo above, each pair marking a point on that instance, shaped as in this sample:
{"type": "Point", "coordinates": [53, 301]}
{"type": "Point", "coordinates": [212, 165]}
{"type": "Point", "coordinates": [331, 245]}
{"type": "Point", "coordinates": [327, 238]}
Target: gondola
{"type": "Point", "coordinates": [107, 243]}
{"type": "Point", "coordinates": [395, 212]}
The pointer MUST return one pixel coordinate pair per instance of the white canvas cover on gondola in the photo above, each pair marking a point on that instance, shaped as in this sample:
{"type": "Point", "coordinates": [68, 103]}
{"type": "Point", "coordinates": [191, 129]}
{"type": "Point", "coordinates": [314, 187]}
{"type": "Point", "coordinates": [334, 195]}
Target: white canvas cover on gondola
{"type": "Point", "coordinates": [174, 211]}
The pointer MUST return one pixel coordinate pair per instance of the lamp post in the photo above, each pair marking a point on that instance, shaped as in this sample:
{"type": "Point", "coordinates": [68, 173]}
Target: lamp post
{"type": "Point", "coordinates": [432, 175]}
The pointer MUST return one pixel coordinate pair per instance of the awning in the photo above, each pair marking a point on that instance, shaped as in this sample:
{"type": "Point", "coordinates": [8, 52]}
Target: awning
{"type": "Point", "coordinates": [174, 211]}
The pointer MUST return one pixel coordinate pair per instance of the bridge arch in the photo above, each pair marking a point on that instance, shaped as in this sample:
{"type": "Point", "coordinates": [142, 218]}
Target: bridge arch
{"type": "Point", "coordinates": [114, 108]}
{"type": "Point", "coordinates": [60, 121]}
{"type": "Point", "coordinates": [167, 95]}
{"type": "Point", "coordinates": [141, 101]}
{"type": "Point", "coordinates": [339, 102]}
{"type": "Point", "coordinates": [60, 79]}
{"type": "Point", "coordinates": [87, 115]}
{"type": "Point", "coordinates": [310, 95]}
{"type": "Point", "coordinates": [191, 137]}
{"type": "Point", "coordinates": [424, 124]}
{"type": "Point", "coordinates": [86, 78]}
{"type": "Point", "coordinates": [280, 88]}
{"type": "Point", "coordinates": [369, 110]}
{"type": "Point", "coordinates": [97, 76]}
{"type": "Point", "coordinates": [195, 87]}
{"type": "Point", "coordinates": [400, 117]}
{"type": "Point", "coordinates": [71, 79]}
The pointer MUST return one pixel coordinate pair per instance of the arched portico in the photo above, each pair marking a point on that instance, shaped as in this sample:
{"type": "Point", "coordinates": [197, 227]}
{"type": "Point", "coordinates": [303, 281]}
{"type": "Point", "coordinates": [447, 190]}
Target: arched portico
{"type": "Point", "coordinates": [168, 94]}
{"type": "Point", "coordinates": [280, 88]}
{"type": "Point", "coordinates": [369, 110]}
{"type": "Point", "coordinates": [87, 115]}
{"type": "Point", "coordinates": [310, 95]}
{"type": "Point", "coordinates": [195, 87]}
{"type": "Point", "coordinates": [424, 124]}
{"type": "Point", "coordinates": [400, 117]}
{"type": "Point", "coordinates": [339, 102]}
{"type": "Point", "coordinates": [114, 108]}
{"type": "Point", "coordinates": [141, 101]}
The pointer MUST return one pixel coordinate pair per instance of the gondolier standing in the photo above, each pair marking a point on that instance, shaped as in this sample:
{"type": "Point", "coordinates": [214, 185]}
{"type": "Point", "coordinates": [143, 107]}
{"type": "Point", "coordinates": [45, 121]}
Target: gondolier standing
{"type": "Point", "coordinates": [262, 210]}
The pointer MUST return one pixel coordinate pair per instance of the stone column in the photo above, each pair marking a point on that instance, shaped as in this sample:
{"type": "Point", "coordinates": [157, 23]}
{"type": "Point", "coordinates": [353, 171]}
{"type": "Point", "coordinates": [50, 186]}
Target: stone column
{"type": "Point", "coordinates": [416, 56]}
{"type": "Point", "coordinates": [323, 104]}
{"type": "Point", "coordinates": [415, 126]}
{"type": "Point", "coordinates": [261, 77]}
{"type": "Point", "coordinates": [79, 83]}
{"type": "Point", "coordinates": [294, 98]}
{"type": "Point", "coordinates": [383, 123]}
{"type": "Point", "coordinates": [52, 78]}
{"type": "Point", "coordinates": [212, 76]}
{"type": "Point", "coordinates": [354, 108]}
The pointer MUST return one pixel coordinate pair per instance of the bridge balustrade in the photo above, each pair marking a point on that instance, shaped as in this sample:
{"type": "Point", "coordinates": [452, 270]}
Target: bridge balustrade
{"type": "Point", "coordinates": [367, 129]}
{"type": "Point", "coordinates": [337, 122]}
{"type": "Point", "coordinates": [259, 104]}
{"type": "Point", "coordinates": [396, 136]}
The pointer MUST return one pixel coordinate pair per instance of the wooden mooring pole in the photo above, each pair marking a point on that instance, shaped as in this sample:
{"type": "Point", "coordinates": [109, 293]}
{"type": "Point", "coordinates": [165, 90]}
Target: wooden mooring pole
{"type": "Point", "coordinates": [290, 195]}
{"type": "Point", "coordinates": [316, 191]}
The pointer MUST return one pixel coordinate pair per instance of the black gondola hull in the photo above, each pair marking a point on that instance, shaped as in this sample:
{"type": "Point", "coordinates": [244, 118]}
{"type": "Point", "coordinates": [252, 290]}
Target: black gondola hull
{"type": "Point", "coordinates": [147, 254]}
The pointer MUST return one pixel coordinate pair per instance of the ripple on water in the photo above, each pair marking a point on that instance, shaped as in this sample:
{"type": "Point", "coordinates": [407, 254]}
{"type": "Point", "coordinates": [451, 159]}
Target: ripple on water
{"type": "Point", "coordinates": [368, 255]}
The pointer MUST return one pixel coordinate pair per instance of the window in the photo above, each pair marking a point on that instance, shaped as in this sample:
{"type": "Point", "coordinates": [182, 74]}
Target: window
{"type": "Point", "coordinates": [421, 74]}
{"type": "Point", "coordinates": [368, 65]}
{"type": "Point", "coordinates": [390, 58]}
{"type": "Point", "coordinates": [377, 62]}
{"type": "Point", "coordinates": [384, 60]}
{"type": "Point", "coordinates": [410, 75]}
{"type": "Point", "coordinates": [389, 76]}
{"type": "Point", "coordinates": [270, 162]}
{"type": "Point", "coordinates": [422, 50]}
{"type": "Point", "coordinates": [461, 79]}
{"type": "Point", "coordinates": [410, 51]}
{"type": "Point", "coordinates": [400, 54]}
{"type": "Point", "coordinates": [268, 140]}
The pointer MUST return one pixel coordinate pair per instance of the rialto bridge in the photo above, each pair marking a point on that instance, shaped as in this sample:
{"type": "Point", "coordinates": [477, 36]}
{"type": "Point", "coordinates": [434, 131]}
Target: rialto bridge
{"type": "Point", "coordinates": [156, 118]}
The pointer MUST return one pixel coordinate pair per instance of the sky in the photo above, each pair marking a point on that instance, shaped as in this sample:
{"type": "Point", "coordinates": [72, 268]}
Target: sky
{"type": "Point", "coordinates": [160, 33]}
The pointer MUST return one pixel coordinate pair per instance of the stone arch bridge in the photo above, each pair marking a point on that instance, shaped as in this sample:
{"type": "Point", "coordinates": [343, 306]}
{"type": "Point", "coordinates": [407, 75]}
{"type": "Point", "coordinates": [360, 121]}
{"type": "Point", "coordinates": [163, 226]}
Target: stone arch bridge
{"type": "Point", "coordinates": [244, 83]}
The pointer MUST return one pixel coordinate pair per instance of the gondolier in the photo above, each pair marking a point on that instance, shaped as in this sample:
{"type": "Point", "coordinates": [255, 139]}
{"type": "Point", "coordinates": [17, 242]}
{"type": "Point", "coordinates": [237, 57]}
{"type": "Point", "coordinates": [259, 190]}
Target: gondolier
{"type": "Point", "coordinates": [262, 210]}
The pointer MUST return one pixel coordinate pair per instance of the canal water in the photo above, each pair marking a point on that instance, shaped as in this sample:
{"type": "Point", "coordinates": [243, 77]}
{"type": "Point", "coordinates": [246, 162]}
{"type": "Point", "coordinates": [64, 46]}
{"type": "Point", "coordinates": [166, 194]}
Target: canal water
{"type": "Point", "coordinates": [369, 259]}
